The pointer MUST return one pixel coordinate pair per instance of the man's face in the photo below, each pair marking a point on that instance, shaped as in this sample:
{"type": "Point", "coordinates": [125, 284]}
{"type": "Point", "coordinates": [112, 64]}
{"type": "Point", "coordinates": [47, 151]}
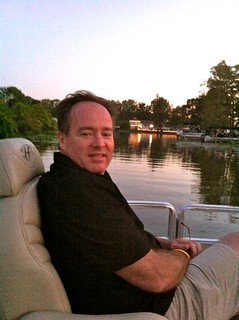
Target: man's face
{"type": "Point", "coordinates": [90, 141]}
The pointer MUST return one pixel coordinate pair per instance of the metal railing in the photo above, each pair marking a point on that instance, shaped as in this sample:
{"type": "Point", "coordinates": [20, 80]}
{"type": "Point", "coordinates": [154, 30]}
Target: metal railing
{"type": "Point", "coordinates": [176, 221]}
{"type": "Point", "coordinates": [201, 208]}
{"type": "Point", "coordinates": [172, 216]}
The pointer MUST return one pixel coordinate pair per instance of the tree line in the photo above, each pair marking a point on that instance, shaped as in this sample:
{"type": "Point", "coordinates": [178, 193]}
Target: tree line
{"type": "Point", "coordinates": [21, 115]}
{"type": "Point", "coordinates": [218, 106]}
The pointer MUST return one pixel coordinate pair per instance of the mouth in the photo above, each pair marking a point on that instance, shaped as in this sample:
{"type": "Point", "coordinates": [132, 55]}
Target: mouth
{"type": "Point", "coordinates": [97, 155]}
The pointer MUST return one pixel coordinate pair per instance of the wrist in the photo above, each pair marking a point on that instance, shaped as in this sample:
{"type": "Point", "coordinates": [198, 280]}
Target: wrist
{"type": "Point", "coordinates": [183, 252]}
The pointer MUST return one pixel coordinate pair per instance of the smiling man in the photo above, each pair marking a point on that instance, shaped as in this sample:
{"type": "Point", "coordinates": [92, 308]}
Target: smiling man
{"type": "Point", "coordinates": [89, 141]}
{"type": "Point", "coordinates": [107, 261]}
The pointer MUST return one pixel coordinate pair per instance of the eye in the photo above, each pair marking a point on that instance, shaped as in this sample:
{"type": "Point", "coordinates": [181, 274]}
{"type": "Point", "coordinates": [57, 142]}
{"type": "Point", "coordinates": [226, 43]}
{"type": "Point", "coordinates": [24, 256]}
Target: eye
{"type": "Point", "coordinates": [86, 133]}
{"type": "Point", "coordinates": [107, 133]}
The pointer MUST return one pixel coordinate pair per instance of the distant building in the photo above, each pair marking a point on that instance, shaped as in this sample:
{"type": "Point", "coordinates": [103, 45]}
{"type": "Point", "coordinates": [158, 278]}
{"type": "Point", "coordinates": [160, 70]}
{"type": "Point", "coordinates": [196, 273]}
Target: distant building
{"type": "Point", "coordinates": [135, 125]}
{"type": "Point", "coordinates": [141, 125]}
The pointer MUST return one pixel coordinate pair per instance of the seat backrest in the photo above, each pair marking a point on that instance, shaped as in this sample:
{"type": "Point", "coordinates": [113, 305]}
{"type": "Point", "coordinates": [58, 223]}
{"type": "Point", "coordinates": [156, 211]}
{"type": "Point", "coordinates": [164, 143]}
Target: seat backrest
{"type": "Point", "coordinates": [28, 280]}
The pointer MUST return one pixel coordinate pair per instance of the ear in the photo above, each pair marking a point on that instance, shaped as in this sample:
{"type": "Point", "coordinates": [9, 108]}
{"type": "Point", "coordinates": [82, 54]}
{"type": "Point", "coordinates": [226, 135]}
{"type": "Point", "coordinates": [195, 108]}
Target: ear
{"type": "Point", "coordinates": [61, 140]}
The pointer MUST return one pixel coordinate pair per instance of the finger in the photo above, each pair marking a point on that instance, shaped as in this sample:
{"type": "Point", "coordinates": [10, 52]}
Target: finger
{"type": "Point", "coordinates": [195, 248]}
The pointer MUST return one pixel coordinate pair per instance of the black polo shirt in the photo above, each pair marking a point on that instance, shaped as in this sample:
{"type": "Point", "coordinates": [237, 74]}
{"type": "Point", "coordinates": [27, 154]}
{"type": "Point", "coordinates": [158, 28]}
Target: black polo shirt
{"type": "Point", "coordinates": [91, 232]}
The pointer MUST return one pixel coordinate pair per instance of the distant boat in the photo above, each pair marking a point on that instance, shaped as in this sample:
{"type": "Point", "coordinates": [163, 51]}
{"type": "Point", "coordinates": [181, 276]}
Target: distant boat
{"type": "Point", "coordinates": [190, 134]}
{"type": "Point", "coordinates": [221, 134]}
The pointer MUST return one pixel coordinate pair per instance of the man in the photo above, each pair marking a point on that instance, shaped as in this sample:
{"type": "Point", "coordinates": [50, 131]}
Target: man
{"type": "Point", "coordinates": [106, 260]}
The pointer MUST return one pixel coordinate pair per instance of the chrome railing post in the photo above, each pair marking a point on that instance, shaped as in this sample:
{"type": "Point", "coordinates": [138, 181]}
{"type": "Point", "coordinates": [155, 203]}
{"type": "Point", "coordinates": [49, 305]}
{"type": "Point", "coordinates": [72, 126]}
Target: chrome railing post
{"type": "Point", "coordinates": [160, 205]}
{"type": "Point", "coordinates": [202, 208]}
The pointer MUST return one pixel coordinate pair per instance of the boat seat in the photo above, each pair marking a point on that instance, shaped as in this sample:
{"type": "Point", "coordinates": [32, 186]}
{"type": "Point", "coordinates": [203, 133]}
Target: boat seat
{"type": "Point", "coordinates": [30, 287]}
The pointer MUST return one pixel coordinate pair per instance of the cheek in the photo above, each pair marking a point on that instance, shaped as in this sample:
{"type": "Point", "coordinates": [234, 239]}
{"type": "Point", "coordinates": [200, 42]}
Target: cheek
{"type": "Point", "coordinates": [80, 149]}
{"type": "Point", "coordinates": [111, 145]}
{"type": "Point", "coordinates": [74, 146]}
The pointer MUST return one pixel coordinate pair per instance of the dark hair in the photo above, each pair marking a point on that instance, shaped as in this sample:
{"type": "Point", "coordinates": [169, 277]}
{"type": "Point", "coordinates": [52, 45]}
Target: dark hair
{"type": "Point", "coordinates": [64, 107]}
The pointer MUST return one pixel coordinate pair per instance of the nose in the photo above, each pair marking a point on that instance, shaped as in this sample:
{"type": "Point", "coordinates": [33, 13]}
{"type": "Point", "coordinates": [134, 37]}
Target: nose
{"type": "Point", "coordinates": [98, 140]}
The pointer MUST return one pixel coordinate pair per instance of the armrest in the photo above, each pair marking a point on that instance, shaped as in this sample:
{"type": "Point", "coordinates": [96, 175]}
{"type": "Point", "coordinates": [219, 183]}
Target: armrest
{"type": "Point", "coordinates": [55, 315]}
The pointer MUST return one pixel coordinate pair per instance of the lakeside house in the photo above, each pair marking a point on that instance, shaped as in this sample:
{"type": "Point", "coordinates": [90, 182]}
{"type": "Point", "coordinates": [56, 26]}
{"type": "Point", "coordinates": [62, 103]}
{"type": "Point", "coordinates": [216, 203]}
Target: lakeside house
{"type": "Point", "coordinates": [145, 125]}
{"type": "Point", "coordinates": [149, 126]}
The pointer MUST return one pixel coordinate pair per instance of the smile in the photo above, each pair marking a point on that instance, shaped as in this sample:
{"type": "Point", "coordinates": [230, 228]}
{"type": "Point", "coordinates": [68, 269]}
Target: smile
{"type": "Point", "coordinates": [97, 155]}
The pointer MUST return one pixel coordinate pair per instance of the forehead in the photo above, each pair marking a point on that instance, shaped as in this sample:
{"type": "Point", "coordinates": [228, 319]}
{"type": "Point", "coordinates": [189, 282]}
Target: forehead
{"type": "Point", "coordinates": [89, 111]}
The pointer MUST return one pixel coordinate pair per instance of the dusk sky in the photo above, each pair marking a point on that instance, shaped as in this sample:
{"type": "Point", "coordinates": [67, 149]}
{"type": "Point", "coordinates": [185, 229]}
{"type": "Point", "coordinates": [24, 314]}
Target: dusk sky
{"type": "Point", "coordinates": [129, 49]}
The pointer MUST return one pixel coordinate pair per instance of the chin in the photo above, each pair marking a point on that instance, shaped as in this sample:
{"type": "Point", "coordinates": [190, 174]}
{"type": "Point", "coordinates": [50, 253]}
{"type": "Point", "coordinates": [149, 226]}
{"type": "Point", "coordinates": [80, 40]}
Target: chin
{"type": "Point", "coordinates": [97, 171]}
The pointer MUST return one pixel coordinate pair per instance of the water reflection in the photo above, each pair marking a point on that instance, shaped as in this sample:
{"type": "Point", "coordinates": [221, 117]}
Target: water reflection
{"type": "Point", "coordinates": [163, 168]}
{"type": "Point", "coordinates": [211, 170]}
{"type": "Point", "coordinates": [214, 167]}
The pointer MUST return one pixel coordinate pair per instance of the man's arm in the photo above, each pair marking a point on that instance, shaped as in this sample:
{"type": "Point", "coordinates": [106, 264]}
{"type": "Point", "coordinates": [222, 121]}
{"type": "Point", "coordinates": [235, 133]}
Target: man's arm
{"type": "Point", "coordinates": [158, 271]}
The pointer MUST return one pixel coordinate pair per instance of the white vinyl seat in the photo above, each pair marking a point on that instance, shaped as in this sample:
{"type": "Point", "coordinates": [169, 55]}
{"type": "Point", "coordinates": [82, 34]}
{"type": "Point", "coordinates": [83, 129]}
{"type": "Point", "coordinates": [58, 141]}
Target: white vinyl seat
{"type": "Point", "coordinates": [30, 287]}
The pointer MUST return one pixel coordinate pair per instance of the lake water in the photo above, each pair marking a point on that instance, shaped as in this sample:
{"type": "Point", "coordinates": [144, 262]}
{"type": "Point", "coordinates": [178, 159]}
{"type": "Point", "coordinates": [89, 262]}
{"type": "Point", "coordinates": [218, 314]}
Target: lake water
{"type": "Point", "coordinates": [164, 168]}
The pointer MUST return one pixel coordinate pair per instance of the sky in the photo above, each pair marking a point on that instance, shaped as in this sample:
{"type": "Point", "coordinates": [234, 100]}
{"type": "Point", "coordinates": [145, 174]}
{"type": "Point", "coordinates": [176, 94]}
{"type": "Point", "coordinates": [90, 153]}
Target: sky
{"type": "Point", "coordinates": [118, 49]}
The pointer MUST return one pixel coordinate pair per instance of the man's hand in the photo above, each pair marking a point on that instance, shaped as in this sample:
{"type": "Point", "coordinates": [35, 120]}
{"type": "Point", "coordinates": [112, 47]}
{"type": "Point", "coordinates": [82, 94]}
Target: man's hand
{"type": "Point", "coordinates": [193, 248]}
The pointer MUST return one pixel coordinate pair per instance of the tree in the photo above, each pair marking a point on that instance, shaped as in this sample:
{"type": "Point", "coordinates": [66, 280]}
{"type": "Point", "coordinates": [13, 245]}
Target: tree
{"type": "Point", "coordinates": [161, 111]}
{"type": "Point", "coordinates": [194, 107]}
{"type": "Point", "coordinates": [27, 121]}
{"type": "Point", "coordinates": [144, 112]}
{"type": "Point", "coordinates": [43, 114]}
{"type": "Point", "coordinates": [8, 126]}
{"type": "Point", "coordinates": [23, 115]}
{"type": "Point", "coordinates": [190, 113]}
{"type": "Point", "coordinates": [12, 95]}
{"type": "Point", "coordinates": [50, 105]}
{"type": "Point", "coordinates": [178, 117]}
{"type": "Point", "coordinates": [215, 113]}
{"type": "Point", "coordinates": [128, 109]}
{"type": "Point", "coordinates": [220, 106]}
